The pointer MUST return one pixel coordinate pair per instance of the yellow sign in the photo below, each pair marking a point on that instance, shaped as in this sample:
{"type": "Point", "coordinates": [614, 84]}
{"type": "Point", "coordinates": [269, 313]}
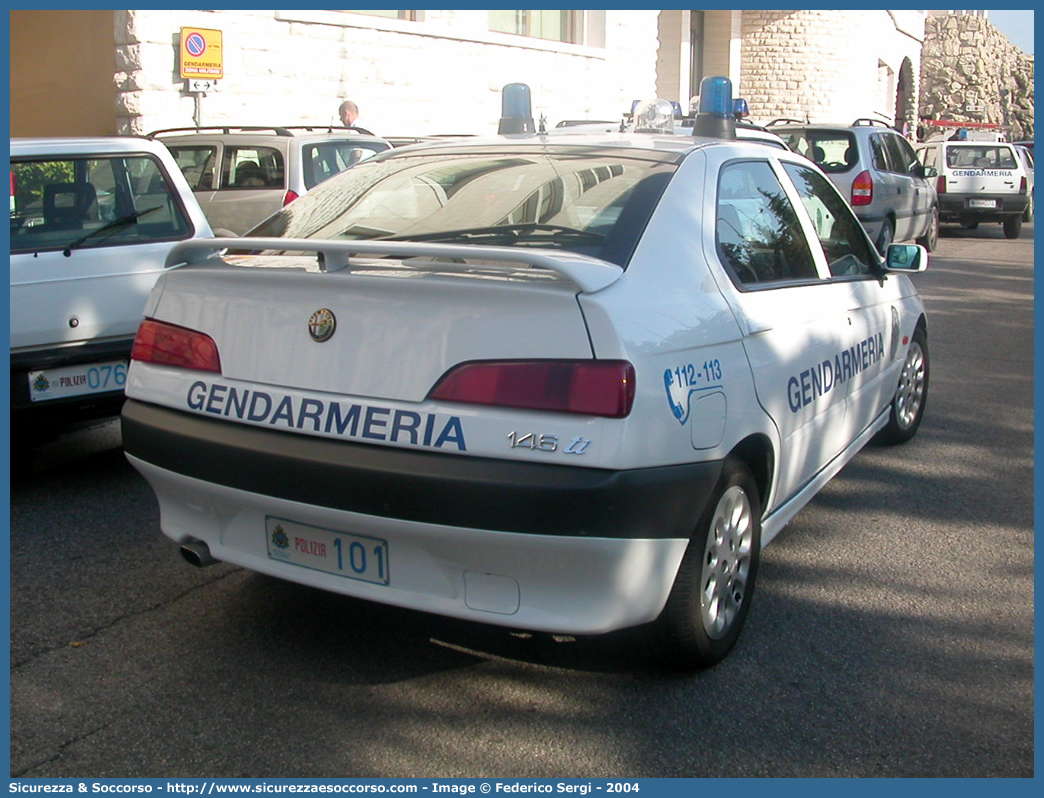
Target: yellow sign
{"type": "Point", "coordinates": [201, 55]}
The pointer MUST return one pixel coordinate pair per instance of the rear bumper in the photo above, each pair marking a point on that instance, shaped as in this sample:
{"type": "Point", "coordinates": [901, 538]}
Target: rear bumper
{"type": "Point", "coordinates": [959, 206]}
{"type": "Point", "coordinates": [410, 485]}
{"type": "Point", "coordinates": [556, 549]}
{"type": "Point", "coordinates": [24, 411]}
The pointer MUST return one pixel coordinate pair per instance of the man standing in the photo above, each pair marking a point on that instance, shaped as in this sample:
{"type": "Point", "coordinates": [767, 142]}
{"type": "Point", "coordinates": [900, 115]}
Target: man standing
{"type": "Point", "coordinates": [349, 112]}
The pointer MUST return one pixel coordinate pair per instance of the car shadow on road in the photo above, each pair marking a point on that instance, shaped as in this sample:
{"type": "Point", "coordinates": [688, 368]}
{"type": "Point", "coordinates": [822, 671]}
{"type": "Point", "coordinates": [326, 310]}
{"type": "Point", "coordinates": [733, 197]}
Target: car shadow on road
{"type": "Point", "coordinates": [380, 643]}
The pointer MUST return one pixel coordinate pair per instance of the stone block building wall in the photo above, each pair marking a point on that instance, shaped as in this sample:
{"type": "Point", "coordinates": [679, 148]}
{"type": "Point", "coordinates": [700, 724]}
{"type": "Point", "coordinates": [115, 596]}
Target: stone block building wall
{"type": "Point", "coordinates": [830, 66]}
{"type": "Point", "coordinates": [443, 74]}
{"type": "Point", "coordinates": [971, 72]}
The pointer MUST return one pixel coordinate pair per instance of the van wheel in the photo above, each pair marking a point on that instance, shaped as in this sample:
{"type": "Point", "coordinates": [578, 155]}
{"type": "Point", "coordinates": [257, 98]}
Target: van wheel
{"type": "Point", "coordinates": [887, 236]}
{"type": "Point", "coordinates": [911, 395]}
{"type": "Point", "coordinates": [1027, 215]}
{"type": "Point", "coordinates": [1012, 226]}
{"type": "Point", "coordinates": [712, 592]}
{"type": "Point", "coordinates": [930, 239]}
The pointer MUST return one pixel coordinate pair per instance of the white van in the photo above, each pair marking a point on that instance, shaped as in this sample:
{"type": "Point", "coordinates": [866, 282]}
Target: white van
{"type": "Point", "coordinates": [979, 181]}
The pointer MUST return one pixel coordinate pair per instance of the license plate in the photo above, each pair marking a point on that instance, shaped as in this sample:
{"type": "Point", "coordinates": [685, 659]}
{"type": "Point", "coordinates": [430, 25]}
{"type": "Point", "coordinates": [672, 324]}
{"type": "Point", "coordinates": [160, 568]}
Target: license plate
{"type": "Point", "coordinates": [79, 380]}
{"type": "Point", "coordinates": [353, 556]}
{"type": "Point", "coordinates": [982, 203]}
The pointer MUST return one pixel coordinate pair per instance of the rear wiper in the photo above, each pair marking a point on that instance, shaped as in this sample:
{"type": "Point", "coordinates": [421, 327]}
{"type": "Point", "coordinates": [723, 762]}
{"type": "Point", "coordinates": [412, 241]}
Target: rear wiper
{"type": "Point", "coordinates": [115, 224]}
{"type": "Point", "coordinates": [510, 232]}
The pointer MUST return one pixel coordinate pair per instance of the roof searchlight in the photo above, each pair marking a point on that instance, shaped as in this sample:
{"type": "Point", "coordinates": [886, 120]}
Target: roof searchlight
{"type": "Point", "coordinates": [716, 117]}
{"type": "Point", "coordinates": [516, 110]}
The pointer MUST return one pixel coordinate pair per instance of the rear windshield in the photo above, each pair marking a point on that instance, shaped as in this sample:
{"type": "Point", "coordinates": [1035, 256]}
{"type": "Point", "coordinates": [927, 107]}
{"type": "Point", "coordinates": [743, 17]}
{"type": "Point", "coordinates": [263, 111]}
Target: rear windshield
{"type": "Point", "coordinates": [97, 201]}
{"type": "Point", "coordinates": [591, 202]}
{"type": "Point", "coordinates": [980, 157]}
{"type": "Point", "coordinates": [831, 150]}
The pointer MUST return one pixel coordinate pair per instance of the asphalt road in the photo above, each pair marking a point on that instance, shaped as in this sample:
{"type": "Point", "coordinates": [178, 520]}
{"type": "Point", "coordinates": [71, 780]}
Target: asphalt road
{"type": "Point", "coordinates": [892, 632]}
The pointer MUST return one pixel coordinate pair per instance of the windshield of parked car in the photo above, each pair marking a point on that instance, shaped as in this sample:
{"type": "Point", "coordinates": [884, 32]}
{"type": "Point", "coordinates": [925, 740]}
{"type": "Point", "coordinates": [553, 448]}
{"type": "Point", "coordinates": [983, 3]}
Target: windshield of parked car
{"type": "Point", "coordinates": [583, 200]}
{"type": "Point", "coordinates": [831, 150]}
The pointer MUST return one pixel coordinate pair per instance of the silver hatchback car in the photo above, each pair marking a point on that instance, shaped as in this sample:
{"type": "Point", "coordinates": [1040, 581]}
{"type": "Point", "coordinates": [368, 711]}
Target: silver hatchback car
{"type": "Point", "coordinates": [242, 175]}
{"type": "Point", "coordinates": [877, 171]}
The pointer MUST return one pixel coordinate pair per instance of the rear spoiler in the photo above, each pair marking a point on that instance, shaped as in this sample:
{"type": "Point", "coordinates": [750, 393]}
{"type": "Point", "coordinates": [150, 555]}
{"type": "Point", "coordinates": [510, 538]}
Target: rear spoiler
{"type": "Point", "coordinates": [587, 273]}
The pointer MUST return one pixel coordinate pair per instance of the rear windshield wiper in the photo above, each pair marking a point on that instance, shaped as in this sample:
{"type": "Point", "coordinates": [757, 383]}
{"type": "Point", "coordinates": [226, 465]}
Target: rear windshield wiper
{"type": "Point", "coordinates": [115, 224]}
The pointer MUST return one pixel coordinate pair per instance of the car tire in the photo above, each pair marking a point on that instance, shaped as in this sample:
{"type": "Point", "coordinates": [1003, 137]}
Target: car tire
{"type": "Point", "coordinates": [712, 591]}
{"type": "Point", "coordinates": [886, 237]}
{"type": "Point", "coordinates": [930, 239]}
{"type": "Point", "coordinates": [1012, 226]}
{"type": "Point", "coordinates": [1027, 216]}
{"type": "Point", "coordinates": [911, 395]}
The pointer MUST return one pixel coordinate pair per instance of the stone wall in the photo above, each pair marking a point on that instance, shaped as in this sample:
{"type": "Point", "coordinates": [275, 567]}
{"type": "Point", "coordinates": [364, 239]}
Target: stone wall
{"type": "Point", "coordinates": [831, 66]}
{"type": "Point", "coordinates": [970, 72]}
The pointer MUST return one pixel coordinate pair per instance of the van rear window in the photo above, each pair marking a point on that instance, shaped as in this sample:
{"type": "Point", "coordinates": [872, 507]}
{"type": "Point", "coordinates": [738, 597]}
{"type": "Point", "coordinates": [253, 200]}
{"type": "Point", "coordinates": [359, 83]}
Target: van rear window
{"type": "Point", "coordinates": [980, 157]}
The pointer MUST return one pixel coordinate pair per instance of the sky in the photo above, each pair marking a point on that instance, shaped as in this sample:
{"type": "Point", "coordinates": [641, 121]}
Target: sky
{"type": "Point", "coordinates": [1017, 26]}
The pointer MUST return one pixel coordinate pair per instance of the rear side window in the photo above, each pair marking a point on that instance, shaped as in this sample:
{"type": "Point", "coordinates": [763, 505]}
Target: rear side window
{"type": "Point", "coordinates": [252, 167]}
{"type": "Point", "coordinates": [758, 233]}
{"type": "Point", "coordinates": [328, 158]}
{"type": "Point", "coordinates": [93, 202]}
{"type": "Point", "coordinates": [879, 154]}
{"type": "Point", "coordinates": [980, 157]}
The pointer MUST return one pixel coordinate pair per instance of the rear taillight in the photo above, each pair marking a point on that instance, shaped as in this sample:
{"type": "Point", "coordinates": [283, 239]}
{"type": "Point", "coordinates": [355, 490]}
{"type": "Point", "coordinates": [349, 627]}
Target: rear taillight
{"type": "Point", "coordinates": [863, 189]}
{"type": "Point", "coordinates": [170, 345]}
{"type": "Point", "coordinates": [590, 387]}
{"type": "Point", "coordinates": [1023, 186]}
{"type": "Point", "coordinates": [289, 197]}
{"type": "Point", "coordinates": [940, 184]}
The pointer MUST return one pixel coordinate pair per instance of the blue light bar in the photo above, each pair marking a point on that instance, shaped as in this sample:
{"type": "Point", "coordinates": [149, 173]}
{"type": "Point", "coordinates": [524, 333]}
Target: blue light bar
{"type": "Point", "coordinates": [716, 97]}
{"type": "Point", "coordinates": [516, 110]}
{"type": "Point", "coordinates": [716, 117]}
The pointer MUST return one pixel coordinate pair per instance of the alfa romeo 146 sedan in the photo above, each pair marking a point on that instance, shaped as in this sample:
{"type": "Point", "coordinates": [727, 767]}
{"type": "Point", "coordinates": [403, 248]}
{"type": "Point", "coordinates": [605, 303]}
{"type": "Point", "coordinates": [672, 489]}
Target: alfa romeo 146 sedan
{"type": "Point", "coordinates": [560, 383]}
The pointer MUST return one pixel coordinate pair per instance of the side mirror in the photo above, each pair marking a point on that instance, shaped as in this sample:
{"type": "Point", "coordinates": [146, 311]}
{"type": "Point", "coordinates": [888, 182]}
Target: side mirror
{"type": "Point", "coordinates": [929, 171]}
{"type": "Point", "coordinates": [906, 258]}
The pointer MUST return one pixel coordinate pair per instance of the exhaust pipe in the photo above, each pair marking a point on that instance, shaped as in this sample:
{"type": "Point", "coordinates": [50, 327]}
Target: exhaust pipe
{"type": "Point", "coordinates": [197, 553]}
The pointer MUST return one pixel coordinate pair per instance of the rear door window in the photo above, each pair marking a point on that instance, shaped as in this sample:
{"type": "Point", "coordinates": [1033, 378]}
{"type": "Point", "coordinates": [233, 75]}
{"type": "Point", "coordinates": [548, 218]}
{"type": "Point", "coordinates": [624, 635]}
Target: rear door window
{"type": "Point", "coordinates": [759, 236]}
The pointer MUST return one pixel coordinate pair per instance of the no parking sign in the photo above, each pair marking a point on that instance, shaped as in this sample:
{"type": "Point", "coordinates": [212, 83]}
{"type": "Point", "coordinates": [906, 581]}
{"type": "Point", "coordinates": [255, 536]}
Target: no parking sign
{"type": "Point", "coordinates": [201, 54]}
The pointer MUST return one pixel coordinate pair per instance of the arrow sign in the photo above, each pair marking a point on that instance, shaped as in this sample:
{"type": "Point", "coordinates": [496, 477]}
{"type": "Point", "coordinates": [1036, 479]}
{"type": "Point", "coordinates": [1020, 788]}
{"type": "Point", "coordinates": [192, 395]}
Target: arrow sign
{"type": "Point", "coordinates": [198, 84]}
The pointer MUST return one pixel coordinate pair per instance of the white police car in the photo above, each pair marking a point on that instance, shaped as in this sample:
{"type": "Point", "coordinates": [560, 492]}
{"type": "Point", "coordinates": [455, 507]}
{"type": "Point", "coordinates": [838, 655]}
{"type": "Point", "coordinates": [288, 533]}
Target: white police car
{"type": "Point", "coordinates": [565, 385]}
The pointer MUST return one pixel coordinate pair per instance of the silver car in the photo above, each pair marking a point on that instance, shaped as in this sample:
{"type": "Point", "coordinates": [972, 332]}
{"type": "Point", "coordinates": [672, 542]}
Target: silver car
{"type": "Point", "coordinates": [242, 175]}
{"type": "Point", "coordinates": [877, 171]}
